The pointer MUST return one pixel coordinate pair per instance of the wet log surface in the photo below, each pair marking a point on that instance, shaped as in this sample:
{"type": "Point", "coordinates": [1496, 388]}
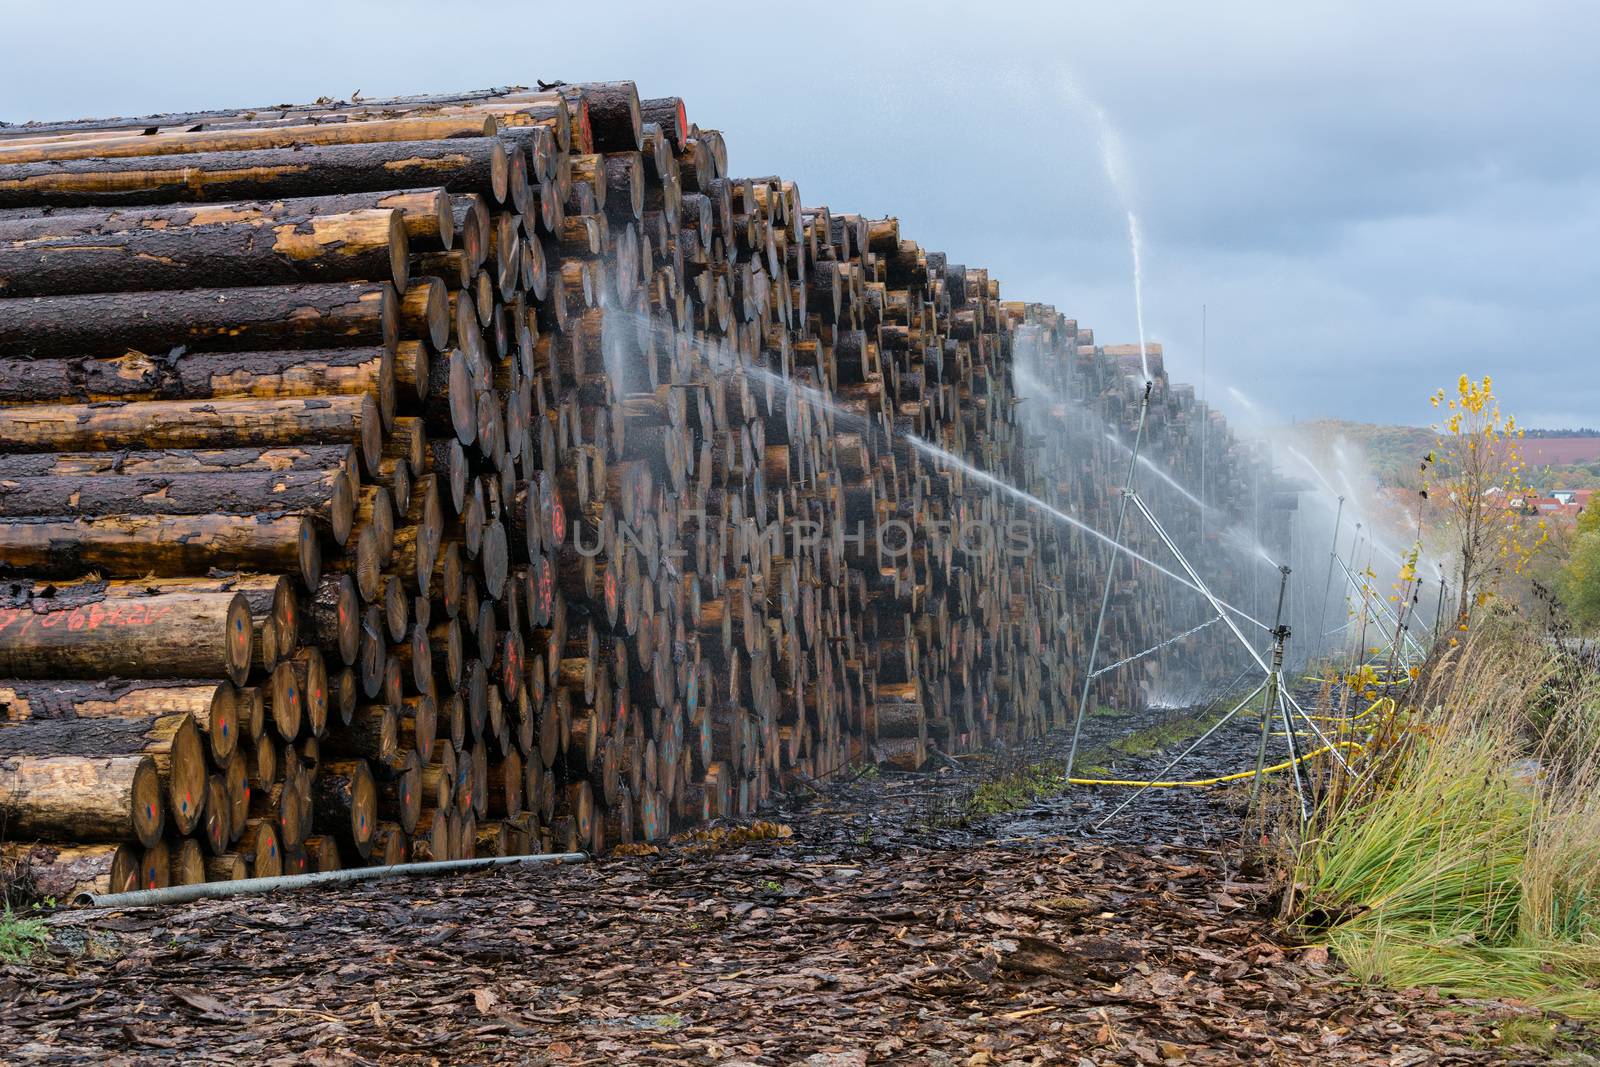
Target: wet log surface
{"type": "Point", "coordinates": [894, 939]}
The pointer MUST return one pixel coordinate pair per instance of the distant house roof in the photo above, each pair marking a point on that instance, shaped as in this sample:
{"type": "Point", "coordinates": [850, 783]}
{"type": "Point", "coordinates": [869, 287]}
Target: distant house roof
{"type": "Point", "coordinates": [1552, 506]}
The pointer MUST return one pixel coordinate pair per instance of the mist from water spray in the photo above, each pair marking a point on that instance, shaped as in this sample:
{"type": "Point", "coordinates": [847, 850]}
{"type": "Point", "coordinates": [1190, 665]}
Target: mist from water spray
{"type": "Point", "coordinates": [1240, 540]}
{"type": "Point", "coordinates": [1353, 499]}
{"type": "Point", "coordinates": [1251, 407]}
{"type": "Point", "coordinates": [717, 358]}
{"type": "Point", "coordinates": [723, 359]}
{"type": "Point", "coordinates": [1115, 161]}
{"type": "Point", "coordinates": [1006, 487]}
{"type": "Point", "coordinates": [1305, 461]}
{"type": "Point", "coordinates": [1154, 468]}
{"type": "Point", "coordinates": [1136, 243]}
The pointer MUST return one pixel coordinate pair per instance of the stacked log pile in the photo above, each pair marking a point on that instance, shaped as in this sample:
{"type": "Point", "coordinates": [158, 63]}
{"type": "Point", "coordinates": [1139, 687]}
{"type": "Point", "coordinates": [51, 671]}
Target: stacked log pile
{"type": "Point", "coordinates": [491, 473]}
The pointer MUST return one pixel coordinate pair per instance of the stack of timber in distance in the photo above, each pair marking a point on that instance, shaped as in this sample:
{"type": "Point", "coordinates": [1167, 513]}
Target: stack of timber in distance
{"type": "Point", "coordinates": [489, 473]}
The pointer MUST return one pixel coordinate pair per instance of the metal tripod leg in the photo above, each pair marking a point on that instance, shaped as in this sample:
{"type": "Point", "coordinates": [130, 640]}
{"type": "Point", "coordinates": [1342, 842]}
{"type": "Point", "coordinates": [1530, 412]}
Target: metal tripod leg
{"type": "Point", "coordinates": [1185, 753]}
{"type": "Point", "coordinates": [1111, 574]}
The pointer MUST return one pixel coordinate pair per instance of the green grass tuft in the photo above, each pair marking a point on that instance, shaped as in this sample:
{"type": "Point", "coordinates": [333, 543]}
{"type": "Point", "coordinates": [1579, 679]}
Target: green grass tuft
{"type": "Point", "coordinates": [21, 937]}
{"type": "Point", "coordinates": [1016, 790]}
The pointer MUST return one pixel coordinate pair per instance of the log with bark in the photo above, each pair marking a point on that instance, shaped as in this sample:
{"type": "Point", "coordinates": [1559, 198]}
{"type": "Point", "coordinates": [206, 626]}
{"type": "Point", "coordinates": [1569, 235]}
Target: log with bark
{"type": "Point", "coordinates": [75, 798]}
{"type": "Point", "coordinates": [369, 244]}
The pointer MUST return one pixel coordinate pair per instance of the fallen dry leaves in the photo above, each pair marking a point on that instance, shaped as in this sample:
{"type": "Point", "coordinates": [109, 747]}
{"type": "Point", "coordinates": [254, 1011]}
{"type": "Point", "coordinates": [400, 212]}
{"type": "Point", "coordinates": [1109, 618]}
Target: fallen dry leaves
{"type": "Point", "coordinates": [844, 935]}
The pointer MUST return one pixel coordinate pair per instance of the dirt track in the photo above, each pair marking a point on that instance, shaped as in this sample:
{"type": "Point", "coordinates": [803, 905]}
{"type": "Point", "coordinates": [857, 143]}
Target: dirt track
{"type": "Point", "coordinates": [867, 936]}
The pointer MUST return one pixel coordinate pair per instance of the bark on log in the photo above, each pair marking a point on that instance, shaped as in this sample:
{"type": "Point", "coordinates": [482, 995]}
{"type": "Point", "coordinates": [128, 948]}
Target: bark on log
{"type": "Point", "coordinates": [345, 804]}
{"type": "Point", "coordinates": [183, 142]}
{"type": "Point", "coordinates": [184, 461]}
{"type": "Point", "coordinates": [205, 375]}
{"type": "Point", "coordinates": [333, 618]}
{"type": "Point", "coordinates": [226, 868]}
{"type": "Point", "coordinates": [172, 741]}
{"type": "Point", "coordinates": [323, 496]}
{"type": "Point", "coordinates": [425, 213]}
{"type": "Point", "coordinates": [400, 794]}
{"type": "Point", "coordinates": [214, 705]}
{"type": "Point", "coordinates": [390, 845]}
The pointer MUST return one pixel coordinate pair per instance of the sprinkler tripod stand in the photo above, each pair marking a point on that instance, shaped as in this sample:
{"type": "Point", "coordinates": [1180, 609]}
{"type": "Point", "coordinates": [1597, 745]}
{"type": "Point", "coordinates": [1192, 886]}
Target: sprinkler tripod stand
{"type": "Point", "coordinates": [1276, 698]}
{"type": "Point", "coordinates": [1272, 680]}
{"type": "Point", "coordinates": [1280, 637]}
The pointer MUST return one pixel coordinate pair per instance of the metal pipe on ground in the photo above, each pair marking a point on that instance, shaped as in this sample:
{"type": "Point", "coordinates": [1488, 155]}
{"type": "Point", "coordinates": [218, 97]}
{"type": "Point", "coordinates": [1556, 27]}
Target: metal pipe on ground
{"type": "Point", "coordinates": [180, 894]}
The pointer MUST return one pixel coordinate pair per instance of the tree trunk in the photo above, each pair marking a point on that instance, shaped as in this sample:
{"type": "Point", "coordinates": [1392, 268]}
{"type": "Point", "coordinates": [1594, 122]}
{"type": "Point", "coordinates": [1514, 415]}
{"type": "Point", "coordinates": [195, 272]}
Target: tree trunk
{"type": "Point", "coordinates": [172, 741]}
{"type": "Point", "coordinates": [284, 803]}
{"type": "Point", "coordinates": [368, 245]}
{"type": "Point", "coordinates": [226, 868]}
{"type": "Point", "coordinates": [390, 845]}
{"type": "Point", "coordinates": [164, 545]}
{"type": "Point", "coordinates": [177, 635]}
{"type": "Point", "coordinates": [256, 138]}
{"type": "Point", "coordinates": [345, 804]}
{"type": "Point", "coordinates": [216, 828]}
{"type": "Point", "coordinates": [76, 798]}
{"type": "Point", "coordinates": [461, 165]}
{"type": "Point", "coordinates": [184, 461]}
{"type": "Point", "coordinates": [614, 115]}
{"type": "Point", "coordinates": [202, 376]}
{"type": "Point", "coordinates": [260, 848]}
{"type": "Point", "coordinates": [400, 792]}
{"type": "Point", "coordinates": [64, 872]}
{"type": "Point", "coordinates": [214, 705]}
{"type": "Point", "coordinates": [425, 213]}
{"type": "Point", "coordinates": [320, 495]}
{"type": "Point", "coordinates": [187, 863]}
{"type": "Point", "coordinates": [193, 424]}
{"type": "Point", "coordinates": [330, 315]}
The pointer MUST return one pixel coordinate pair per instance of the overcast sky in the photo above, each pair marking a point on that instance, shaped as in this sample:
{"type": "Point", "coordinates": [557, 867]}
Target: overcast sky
{"type": "Point", "coordinates": [1370, 197]}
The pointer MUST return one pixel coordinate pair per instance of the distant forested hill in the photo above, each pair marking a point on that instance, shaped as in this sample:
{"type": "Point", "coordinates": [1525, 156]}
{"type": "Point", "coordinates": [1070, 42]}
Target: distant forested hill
{"type": "Point", "coordinates": [1393, 452]}
{"type": "Point", "coordinates": [1559, 459]}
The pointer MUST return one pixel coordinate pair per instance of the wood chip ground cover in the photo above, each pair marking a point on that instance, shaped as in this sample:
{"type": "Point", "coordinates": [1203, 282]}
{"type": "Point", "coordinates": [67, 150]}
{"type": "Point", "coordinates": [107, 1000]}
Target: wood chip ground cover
{"type": "Point", "coordinates": [865, 936]}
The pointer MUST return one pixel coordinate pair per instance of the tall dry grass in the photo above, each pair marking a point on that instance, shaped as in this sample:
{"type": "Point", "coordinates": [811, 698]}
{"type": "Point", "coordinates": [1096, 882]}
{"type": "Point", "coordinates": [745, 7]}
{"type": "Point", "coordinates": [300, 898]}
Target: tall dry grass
{"type": "Point", "coordinates": [1466, 855]}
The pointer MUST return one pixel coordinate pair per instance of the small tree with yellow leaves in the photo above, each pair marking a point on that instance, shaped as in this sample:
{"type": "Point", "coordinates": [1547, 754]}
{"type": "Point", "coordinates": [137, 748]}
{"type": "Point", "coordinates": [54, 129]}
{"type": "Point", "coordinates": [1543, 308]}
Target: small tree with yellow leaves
{"type": "Point", "coordinates": [1474, 479]}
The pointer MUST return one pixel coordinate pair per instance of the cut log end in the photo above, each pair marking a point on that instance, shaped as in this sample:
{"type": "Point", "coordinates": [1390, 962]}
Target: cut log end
{"type": "Point", "coordinates": [148, 818]}
{"type": "Point", "coordinates": [241, 630]}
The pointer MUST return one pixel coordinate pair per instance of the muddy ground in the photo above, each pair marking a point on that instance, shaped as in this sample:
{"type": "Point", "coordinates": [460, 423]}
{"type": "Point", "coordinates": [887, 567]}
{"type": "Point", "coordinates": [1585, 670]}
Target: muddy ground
{"type": "Point", "coordinates": [884, 919]}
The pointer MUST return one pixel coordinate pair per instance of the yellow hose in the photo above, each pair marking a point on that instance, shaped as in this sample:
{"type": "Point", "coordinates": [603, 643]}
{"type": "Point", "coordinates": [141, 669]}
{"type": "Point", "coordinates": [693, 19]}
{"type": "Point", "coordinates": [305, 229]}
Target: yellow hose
{"type": "Point", "coordinates": [1202, 782]}
{"type": "Point", "coordinates": [1374, 706]}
